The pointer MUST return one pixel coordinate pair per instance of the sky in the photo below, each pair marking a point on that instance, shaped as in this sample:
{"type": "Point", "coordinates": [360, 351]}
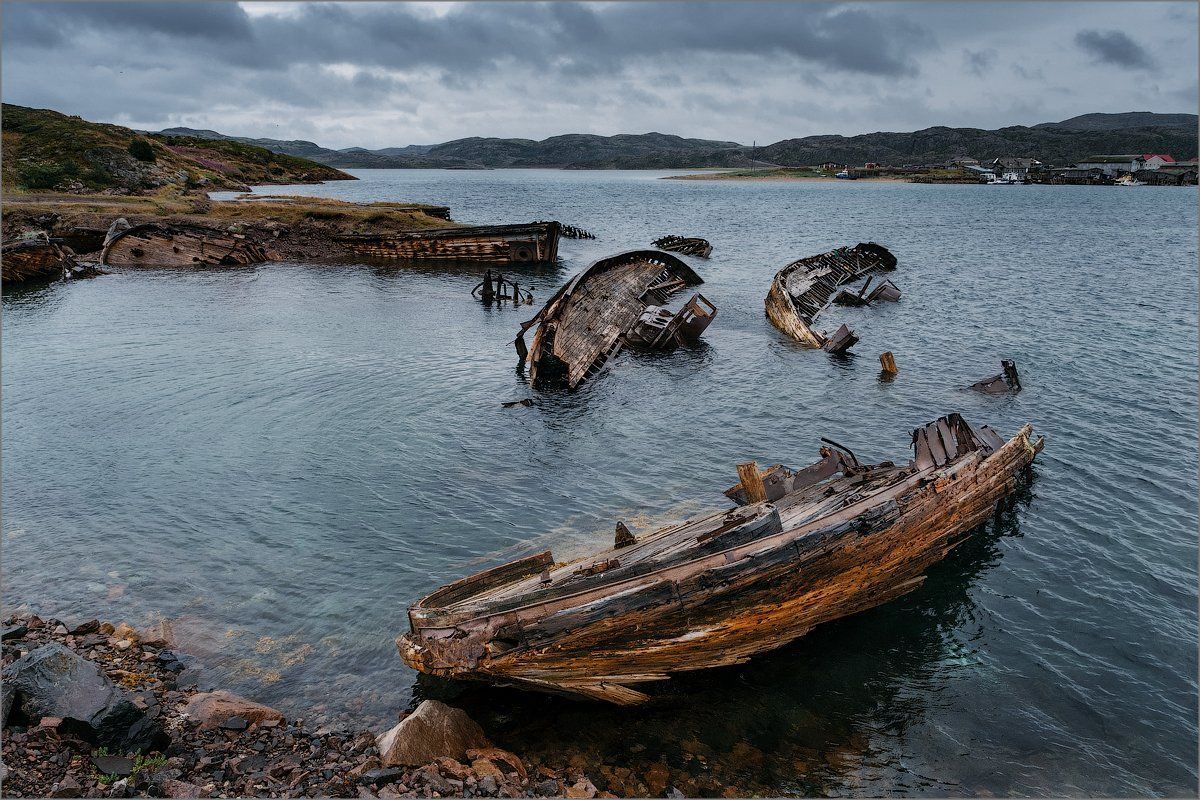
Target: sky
{"type": "Point", "coordinates": [391, 74]}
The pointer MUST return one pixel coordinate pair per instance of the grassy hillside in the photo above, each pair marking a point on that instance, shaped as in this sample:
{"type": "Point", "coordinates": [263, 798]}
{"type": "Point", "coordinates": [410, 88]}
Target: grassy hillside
{"type": "Point", "coordinates": [935, 145]}
{"type": "Point", "coordinates": [45, 150]}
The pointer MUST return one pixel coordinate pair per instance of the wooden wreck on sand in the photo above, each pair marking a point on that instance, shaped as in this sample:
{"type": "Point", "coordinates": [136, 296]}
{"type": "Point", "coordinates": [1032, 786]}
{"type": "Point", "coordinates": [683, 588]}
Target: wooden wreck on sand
{"type": "Point", "coordinates": [616, 302]}
{"type": "Point", "coordinates": [805, 288]}
{"type": "Point", "coordinates": [532, 243]}
{"type": "Point", "coordinates": [163, 244]}
{"type": "Point", "coordinates": [33, 259]}
{"type": "Point", "coordinates": [803, 547]}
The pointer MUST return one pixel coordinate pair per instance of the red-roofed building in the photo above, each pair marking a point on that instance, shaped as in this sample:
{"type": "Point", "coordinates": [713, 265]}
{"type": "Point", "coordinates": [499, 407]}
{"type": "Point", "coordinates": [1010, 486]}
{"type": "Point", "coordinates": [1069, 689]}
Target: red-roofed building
{"type": "Point", "coordinates": [1156, 160]}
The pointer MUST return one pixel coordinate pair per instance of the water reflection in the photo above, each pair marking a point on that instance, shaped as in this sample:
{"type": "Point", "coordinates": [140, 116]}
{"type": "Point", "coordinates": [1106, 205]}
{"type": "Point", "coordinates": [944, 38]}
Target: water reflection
{"type": "Point", "coordinates": [801, 720]}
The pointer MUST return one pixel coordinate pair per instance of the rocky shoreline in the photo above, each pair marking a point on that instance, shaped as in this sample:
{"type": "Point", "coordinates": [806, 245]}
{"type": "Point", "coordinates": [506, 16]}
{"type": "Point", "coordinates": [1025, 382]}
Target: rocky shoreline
{"type": "Point", "coordinates": [96, 710]}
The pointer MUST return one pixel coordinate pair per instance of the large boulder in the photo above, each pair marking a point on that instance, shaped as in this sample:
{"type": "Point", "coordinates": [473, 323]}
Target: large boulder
{"type": "Point", "coordinates": [214, 709]}
{"type": "Point", "coordinates": [432, 731]}
{"type": "Point", "coordinates": [55, 681]}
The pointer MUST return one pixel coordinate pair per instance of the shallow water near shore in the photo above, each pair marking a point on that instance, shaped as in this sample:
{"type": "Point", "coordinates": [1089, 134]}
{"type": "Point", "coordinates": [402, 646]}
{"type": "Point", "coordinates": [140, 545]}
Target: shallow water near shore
{"type": "Point", "coordinates": [283, 457]}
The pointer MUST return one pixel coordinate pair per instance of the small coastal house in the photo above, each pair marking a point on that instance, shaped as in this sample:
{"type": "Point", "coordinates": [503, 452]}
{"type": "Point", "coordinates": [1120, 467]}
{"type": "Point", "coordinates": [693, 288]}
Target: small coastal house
{"type": "Point", "coordinates": [1112, 165]}
{"type": "Point", "coordinates": [1016, 167]}
{"type": "Point", "coordinates": [1156, 160]}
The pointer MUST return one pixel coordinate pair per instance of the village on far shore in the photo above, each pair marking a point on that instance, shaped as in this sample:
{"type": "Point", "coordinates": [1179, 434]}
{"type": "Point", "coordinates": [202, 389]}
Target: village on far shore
{"type": "Point", "coordinates": [1135, 169]}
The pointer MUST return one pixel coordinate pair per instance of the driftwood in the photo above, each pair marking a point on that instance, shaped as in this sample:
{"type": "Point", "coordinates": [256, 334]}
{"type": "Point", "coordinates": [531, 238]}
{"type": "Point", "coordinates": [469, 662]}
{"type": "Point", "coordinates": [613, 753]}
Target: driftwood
{"type": "Point", "coordinates": [34, 259]}
{"type": "Point", "coordinates": [615, 302]}
{"type": "Point", "coordinates": [689, 246]}
{"type": "Point", "coordinates": [159, 244]}
{"type": "Point", "coordinates": [532, 243]}
{"type": "Point", "coordinates": [1007, 381]}
{"type": "Point", "coordinates": [804, 288]}
{"type": "Point", "coordinates": [805, 547]}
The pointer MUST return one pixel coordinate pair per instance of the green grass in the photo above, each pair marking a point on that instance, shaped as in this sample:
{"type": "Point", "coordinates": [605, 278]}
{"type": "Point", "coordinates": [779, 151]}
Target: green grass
{"type": "Point", "coordinates": [43, 149]}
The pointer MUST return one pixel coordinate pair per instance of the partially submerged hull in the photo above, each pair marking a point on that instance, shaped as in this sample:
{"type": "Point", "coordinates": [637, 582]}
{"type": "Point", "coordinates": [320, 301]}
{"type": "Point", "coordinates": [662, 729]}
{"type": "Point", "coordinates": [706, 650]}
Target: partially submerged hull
{"type": "Point", "coordinates": [803, 289]}
{"type": "Point", "coordinates": [533, 243]}
{"type": "Point", "coordinates": [33, 260]}
{"type": "Point", "coordinates": [157, 244]}
{"type": "Point", "coordinates": [803, 548]}
{"type": "Point", "coordinates": [615, 302]}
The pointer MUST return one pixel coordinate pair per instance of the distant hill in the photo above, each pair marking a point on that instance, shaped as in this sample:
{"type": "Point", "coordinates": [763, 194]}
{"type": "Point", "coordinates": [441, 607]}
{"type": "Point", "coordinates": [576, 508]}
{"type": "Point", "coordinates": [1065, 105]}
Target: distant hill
{"type": "Point", "coordinates": [1052, 142]}
{"type": "Point", "coordinates": [1130, 119]}
{"type": "Point", "coordinates": [45, 150]}
{"type": "Point", "coordinates": [1051, 145]}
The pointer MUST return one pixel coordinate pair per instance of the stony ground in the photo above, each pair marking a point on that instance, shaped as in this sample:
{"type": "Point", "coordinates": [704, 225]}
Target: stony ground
{"type": "Point", "coordinates": [253, 754]}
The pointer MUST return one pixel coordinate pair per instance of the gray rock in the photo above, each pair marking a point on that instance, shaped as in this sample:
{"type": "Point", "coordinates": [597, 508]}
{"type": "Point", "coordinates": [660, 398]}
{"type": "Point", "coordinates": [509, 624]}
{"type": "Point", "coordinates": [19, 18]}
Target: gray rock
{"type": "Point", "coordinates": [15, 632]}
{"type": "Point", "coordinates": [54, 681]}
{"type": "Point", "coordinates": [381, 776]}
{"type": "Point", "coordinates": [547, 788]}
{"type": "Point", "coordinates": [488, 786]}
{"type": "Point", "coordinates": [113, 765]}
{"type": "Point", "coordinates": [67, 787]}
{"type": "Point", "coordinates": [433, 730]}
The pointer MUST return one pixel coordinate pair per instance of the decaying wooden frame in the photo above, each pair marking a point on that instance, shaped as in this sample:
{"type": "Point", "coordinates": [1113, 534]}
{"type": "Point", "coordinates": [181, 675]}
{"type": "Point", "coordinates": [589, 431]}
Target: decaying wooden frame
{"type": "Point", "coordinates": [531, 243]}
{"type": "Point", "coordinates": [615, 302]}
{"type": "Point", "coordinates": [803, 548]}
{"type": "Point", "coordinates": [803, 289]}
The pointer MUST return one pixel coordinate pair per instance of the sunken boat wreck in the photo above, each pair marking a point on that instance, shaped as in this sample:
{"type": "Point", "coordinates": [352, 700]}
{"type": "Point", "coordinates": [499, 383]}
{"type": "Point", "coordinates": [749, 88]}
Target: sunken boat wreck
{"type": "Point", "coordinates": [617, 302]}
{"type": "Point", "coordinates": [33, 259]}
{"type": "Point", "coordinates": [532, 243]}
{"type": "Point", "coordinates": [162, 244]}
{"type": "Point", "coordinates": [688, 245]}
{"type": "Point", "coordinates": [803, 289]}
{"type": "Point", "coordinates": [803, 547]}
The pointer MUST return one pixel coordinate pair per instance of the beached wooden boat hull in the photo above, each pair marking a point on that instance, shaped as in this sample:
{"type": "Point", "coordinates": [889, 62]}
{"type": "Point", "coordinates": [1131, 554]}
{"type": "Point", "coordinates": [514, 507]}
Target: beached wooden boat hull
{"type": "Point", "coordinates": [32, 260]}
{"type": "Point", "coordinates": [802, 289]}
{"type": "Point", "coordinates": [157, 244]}
{"type": "Point", "coordinates": [748, 580]}
{"type": "Point", "coordinates": [534, 243]}
{"type": "Point", "coordinates": [586, 322]}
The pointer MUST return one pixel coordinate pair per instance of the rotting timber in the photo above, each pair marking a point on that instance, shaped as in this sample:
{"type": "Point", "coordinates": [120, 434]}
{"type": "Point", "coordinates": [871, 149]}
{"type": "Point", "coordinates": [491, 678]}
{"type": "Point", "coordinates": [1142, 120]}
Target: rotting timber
{"type": "Point", "coordinates": [33, 259]}
{"type": "Point", "coordinates": [802, 548]}
{"type": "Point", "coordinates": [531, 243]}
{"type": "Point", "coordinates": [163, 244]}
{"type": "Point", "coordinates": [616, 302]}
{"type": "Point", "coordinates": [688, 245]}
{"type": "Point", "coordinates": [805, 288]}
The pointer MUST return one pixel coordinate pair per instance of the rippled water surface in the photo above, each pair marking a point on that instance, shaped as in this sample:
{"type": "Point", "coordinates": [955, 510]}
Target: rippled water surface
{"type": "Point", "coordinates": [283, 457]}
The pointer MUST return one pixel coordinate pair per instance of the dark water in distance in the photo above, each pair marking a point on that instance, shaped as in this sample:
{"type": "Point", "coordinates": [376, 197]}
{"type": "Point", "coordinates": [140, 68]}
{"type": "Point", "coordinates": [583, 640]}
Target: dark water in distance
{"type": "Point", "coordinates": [284, 457]}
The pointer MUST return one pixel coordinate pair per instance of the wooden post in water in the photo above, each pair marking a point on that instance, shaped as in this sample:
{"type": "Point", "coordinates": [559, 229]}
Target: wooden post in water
{"type": "Point", "coordinates": [487, 286]}
{"type": "Point", "coordinates": [752, 482]}
{"type": "Point", "coordinates": [888, 362]}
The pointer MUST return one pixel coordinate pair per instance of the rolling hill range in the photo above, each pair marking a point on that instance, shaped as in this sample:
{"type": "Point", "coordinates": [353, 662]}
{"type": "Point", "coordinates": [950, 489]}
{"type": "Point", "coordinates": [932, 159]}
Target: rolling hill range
{"type": "Point", "coordinates": [46, 150]}
{"type": "Point", "coordinates": [1052, 142]}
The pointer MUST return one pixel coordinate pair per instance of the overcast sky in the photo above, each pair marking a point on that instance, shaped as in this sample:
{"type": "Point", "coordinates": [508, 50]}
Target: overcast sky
{"type": "Point", "coordinates": [390, 74]}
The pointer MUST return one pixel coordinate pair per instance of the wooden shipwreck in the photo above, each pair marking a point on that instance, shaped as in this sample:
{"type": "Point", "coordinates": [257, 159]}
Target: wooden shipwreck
{"type": "Point", "coordinates": [802, 547]}
{"type": "Point", "coordinates": [688, 245]}
{"type": "Point", "coordinates": [805, 288]}
{"type": "Point", "coordinates": [33, 259]}
{"type": "Point", "coordinates": [532, 243]}
{"type": "Point", "coordinates": [616, 302]}
{"type": "Point", "coordinates": [160, 244]}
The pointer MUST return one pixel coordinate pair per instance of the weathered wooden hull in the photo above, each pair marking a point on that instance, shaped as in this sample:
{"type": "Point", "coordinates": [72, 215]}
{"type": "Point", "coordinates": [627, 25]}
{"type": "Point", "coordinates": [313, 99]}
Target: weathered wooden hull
{"type": "Point", "coordinates": [725, 605]}
{"type": "Point", "coordinates": [32, 262]}
{"type": "Point", "coordinates": [802, 289]}
{"type": "Point", "coordinates": [535, 243]}
{"type": "Point", "coordinates": [177, 245]}
{"type": "Point", "coordinates": [585, 323]}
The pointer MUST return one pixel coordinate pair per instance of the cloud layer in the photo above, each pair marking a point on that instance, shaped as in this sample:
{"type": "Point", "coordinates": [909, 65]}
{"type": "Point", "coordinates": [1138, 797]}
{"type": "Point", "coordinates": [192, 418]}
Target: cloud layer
{"type": "Point", "coordinates": [383, 74]}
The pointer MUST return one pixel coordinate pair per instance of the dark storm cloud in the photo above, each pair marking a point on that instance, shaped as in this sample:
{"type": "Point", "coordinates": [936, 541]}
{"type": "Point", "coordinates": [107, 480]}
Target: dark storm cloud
{"type": "Point", "coordinates": [477, 37]}
{"type": "Point", "coordinates": [979, 62]}
{"type": "Point", "coordinates": [1114, 47]}
{"type": "Point", "coordinates": [380, 74]}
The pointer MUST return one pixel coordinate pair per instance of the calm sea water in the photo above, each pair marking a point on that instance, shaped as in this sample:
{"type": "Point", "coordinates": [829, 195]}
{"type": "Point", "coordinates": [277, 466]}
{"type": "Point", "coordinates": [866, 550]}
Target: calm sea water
{"type": "Point", "coordinates": [283, 457]}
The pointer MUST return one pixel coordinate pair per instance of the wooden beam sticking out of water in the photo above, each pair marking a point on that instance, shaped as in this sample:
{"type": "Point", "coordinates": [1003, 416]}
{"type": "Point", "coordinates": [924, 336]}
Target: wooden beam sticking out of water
{"type": "Point", "coordinates": [888, 362]}
{"type": "Point", "coordinates": [752, 482]}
